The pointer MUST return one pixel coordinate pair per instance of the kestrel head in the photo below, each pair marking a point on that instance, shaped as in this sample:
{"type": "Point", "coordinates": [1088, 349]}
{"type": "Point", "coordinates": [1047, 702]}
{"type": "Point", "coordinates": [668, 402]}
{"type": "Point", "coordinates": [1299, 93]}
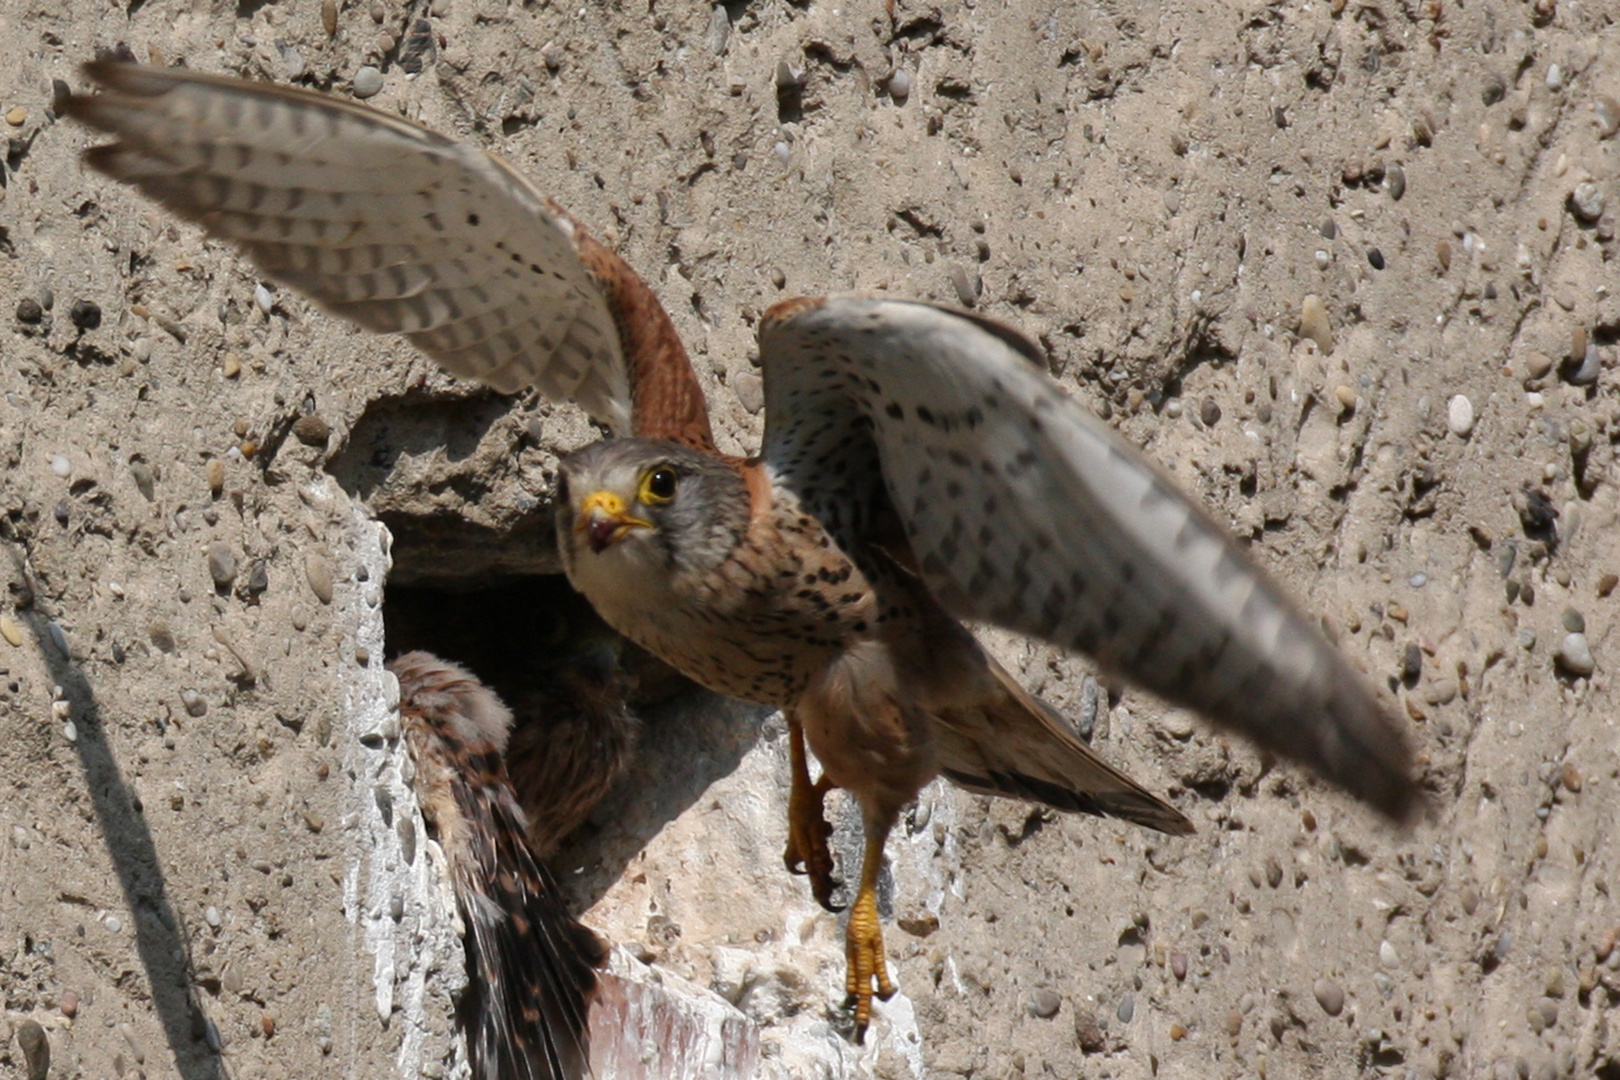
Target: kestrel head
{"type": "Point", "coordinates": [644, 510]}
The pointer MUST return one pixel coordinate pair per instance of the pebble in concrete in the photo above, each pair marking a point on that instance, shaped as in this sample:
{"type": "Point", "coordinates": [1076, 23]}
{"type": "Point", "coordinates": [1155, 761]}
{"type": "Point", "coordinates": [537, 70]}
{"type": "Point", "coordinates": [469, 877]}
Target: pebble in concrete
{"type": "Point", "coordinates": [1460, 416]}
{"type": "Point", "coordinates": [1329, 995]}
{"type": "Point", "coordinates": [1575, 655]}
{"type": "Point", "coordinates": [367, 82]}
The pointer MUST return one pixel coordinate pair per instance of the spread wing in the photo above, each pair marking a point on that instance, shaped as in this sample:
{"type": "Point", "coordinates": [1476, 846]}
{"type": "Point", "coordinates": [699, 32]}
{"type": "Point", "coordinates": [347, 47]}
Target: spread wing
{"type": "Point", "coordinates": [1023, 509]}
{"type": "Point", "coordinates": [399, 229]}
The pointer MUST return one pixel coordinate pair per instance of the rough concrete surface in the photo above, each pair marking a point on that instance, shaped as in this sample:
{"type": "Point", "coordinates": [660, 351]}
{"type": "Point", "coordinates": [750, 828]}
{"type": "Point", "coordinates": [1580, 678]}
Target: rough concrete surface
{"type": "Point", "coordinates": [1344, 268]}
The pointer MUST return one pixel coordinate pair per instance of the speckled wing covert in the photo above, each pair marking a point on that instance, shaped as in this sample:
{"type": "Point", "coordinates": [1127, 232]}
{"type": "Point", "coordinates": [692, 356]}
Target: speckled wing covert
{"type": "Point", "coordinates": [400, 229]}
{"type": "Point", "coordinates": [1023, 509]}
{"type": "Point", "coordinates": [531, 967]}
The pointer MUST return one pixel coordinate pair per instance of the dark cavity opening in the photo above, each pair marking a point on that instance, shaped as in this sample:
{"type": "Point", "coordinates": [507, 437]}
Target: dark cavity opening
{"type": "Point", "coordinates": [608, 743]}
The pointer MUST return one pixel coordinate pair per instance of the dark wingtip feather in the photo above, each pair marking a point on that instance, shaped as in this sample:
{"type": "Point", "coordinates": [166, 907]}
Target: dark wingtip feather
{"type": "Point", "coordinates": [80, 107]}
{"type": "Point", "coordinates": [117, 76]}
{"type": "Point", "coordinates": [106, 71]}
{"type": "Point", "coordinates": [104, 158]}
{"type": "Point", "coordinates": [1371, 759]}
{"type": "Point", "coordinates": [129, 76]}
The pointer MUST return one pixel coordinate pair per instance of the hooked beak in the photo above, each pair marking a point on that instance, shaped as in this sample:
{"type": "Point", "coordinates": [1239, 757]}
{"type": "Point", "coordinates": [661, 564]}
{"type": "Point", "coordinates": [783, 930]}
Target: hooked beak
{"type": "Point", "coordinates": [604, 520]}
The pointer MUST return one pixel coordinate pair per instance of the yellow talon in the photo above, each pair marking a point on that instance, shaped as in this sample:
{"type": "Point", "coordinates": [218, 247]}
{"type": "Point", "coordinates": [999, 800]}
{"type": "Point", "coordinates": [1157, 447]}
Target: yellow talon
{"type": "Point", "coordinates": [863, 949]}
{"type": "Point", "coordinates": [807, 853]}
{"type": "Point", "coordinates": [863, 937]}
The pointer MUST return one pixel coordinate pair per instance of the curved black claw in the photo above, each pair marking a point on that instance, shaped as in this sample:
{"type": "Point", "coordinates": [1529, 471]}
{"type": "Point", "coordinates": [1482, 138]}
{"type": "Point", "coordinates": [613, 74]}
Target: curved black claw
{"type": "Point", "coordinates": [817, 863]}
{"type": "Point", "coordinates": [809, 848]}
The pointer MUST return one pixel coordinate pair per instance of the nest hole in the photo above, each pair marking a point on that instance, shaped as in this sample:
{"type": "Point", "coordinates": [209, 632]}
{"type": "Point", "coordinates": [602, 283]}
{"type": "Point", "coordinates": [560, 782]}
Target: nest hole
{"type": "Point", "coordinates": [462, 484]}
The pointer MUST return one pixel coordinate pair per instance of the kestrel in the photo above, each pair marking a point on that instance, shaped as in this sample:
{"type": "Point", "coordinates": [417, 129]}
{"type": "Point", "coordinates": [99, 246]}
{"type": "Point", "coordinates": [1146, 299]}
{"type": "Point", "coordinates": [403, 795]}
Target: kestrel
{"type": "Point", "coordinates": [571, 681]}
{"type": "Point", "coordinates": [919, 467]}
{"type": "Point", "coordinates": [531, 967]}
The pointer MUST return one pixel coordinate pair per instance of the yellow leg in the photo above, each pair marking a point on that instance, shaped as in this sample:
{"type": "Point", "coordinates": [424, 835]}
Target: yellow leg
{"type": "Point", "coordinates": [863, 939]}
{"type": "Point", "coordinates": [808, 831]}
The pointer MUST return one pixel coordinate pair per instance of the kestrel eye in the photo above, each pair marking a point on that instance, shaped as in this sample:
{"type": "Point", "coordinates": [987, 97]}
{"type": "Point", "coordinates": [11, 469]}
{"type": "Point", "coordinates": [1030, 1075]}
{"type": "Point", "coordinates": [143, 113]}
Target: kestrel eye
{"type": "Point", "coordinates": [658, 485]}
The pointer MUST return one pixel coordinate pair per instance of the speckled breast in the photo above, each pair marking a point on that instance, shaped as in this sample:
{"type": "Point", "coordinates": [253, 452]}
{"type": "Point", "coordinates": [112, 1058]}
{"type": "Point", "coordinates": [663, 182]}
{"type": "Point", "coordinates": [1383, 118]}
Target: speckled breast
{"type": "Point", "coordinates": [779, 609]}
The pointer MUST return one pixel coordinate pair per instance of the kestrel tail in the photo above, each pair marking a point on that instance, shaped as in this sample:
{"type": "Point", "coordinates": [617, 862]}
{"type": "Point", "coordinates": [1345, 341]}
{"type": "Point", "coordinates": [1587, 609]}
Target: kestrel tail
{"type": "Point", "coordinates": [530, 965]}
{"type": "Point", "coordinates": [920, 466]}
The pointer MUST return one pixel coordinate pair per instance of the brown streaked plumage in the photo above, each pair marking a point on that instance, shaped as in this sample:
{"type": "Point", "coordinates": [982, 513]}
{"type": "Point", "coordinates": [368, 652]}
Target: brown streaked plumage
{"type": "Point", "coordinates": [666, 400]}
{"type": "Point", "coordinates": [530, 965]}
{"type": "Point", "coordinates": [919, 467]}
{"type": "Point", "coordinates": [576, 740]}
{"type": "Point", "coordinates": [571, 682]}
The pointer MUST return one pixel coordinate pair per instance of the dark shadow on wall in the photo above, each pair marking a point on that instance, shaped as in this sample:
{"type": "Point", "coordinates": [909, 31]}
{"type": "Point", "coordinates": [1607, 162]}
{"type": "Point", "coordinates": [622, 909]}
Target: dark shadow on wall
{"type": "Point", "coordinates": [159, 939]}
{"type": "Point", "coordinates": [689, 743]}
